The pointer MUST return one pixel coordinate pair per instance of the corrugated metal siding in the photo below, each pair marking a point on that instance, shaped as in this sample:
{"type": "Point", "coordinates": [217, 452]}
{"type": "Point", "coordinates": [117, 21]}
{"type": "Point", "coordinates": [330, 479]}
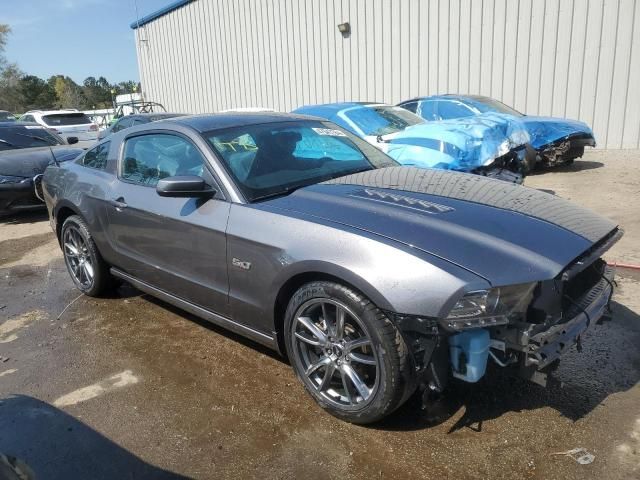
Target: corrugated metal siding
{"type": "Point", "coordinates": [567, 58]}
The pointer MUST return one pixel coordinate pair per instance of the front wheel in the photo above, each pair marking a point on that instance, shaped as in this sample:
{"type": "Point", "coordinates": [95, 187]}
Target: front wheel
{"type": "Point", "coordinates": [347, 353]}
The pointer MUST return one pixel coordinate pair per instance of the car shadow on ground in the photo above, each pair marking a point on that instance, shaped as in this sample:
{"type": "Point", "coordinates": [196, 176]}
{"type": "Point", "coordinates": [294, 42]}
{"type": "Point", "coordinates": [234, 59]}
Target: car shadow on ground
{"type": "Point", "coordinates": [247, 342]}
{"type": "Point", "coordinates": [55, 445]}
{"type": "Point", "coordinates": [577, 166]}
{"type": "Point", "coordinates": [25, 217]}
{"type": "Point", "coordinates": [609, 363]}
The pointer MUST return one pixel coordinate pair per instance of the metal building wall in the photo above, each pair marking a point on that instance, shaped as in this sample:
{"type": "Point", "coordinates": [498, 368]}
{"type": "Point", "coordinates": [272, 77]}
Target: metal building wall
{"type": "Point", "coordinates": [567, 58]}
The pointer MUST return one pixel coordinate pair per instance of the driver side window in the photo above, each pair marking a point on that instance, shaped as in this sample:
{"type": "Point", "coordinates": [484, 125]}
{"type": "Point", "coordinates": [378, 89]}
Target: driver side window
{"type": "Point", "coordinates": [148, 158]}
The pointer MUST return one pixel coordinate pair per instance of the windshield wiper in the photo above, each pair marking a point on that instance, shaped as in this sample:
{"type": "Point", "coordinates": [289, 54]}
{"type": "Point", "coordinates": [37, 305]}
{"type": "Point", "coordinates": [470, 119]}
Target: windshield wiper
{"type": "Point", "coordinates": [280, 193]}
{"type": "Point", "coordinates": [36, 137]}
{"type": "Point", "coordinates": [331, 176]}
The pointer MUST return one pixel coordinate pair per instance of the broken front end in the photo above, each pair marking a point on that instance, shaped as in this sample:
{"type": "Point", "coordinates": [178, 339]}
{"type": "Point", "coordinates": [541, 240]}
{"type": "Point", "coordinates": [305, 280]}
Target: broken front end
{"type": "Point", "coordinates": [565, 150]}
{"type": "Point", "coordinates": [558, 140]}
{"type": "Point", "coordinates": [524, 328]}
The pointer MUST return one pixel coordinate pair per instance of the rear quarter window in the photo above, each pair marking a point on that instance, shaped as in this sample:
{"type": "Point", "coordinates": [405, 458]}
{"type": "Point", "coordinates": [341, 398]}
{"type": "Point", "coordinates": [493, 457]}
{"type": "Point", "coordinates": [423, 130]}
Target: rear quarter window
{"type": "Point", "coordinates": [66, 119]}
{"type": "Point", "coordinates": [96, 157]}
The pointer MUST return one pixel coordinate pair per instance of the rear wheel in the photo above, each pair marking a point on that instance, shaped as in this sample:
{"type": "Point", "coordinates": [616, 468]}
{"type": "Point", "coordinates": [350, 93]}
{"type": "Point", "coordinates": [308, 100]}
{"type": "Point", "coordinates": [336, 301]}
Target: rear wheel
{"type": "Point", "coordinates": [347, 353]}
{"type": "Point", "coordinates": [84, 263]}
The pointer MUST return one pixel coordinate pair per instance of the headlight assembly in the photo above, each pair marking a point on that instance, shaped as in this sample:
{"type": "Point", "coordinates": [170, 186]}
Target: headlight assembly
{"type": "Point", "coordinates": [11, 179]}
{"type": "Point", "coordinates": [483, 308]}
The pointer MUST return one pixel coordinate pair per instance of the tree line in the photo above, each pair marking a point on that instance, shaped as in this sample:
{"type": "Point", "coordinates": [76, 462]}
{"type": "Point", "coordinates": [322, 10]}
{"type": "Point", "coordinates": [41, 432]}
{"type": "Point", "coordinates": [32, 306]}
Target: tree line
{"type": "Point", "coordinates": [20, 92]}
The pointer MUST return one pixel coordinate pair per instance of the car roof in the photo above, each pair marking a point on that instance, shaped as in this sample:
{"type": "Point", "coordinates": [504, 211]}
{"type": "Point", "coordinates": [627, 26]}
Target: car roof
{"type": "Point", "coordinates": [334, 107]}
{"type": "Point", "coordinates": [19, 124]}
{"type": "Point", "coordinates": [152, 114]}
{"type": "Point", "coordinates": [215, 121]}
{"type": "Point", "coordinates": [446, 96]}
{"type": "Point", "coordinates": [53, 112]}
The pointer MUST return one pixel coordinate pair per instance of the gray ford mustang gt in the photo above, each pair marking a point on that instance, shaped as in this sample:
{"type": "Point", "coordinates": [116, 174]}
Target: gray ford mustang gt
{"type": "Point", "coordinates": [374, 279]}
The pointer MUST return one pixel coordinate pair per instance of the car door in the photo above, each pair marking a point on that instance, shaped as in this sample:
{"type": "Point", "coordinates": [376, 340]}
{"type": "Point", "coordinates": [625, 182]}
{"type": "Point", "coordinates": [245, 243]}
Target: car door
{"type": "Point", "coordinates": [175, 244]}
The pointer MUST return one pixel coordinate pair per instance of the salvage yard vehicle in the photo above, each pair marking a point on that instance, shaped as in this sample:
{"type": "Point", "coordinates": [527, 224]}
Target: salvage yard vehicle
{"type": "Point", "coordinates": [375, 279]}
{"type": "Point", "coordinates": [25, 151]}
{"type": "Point", "coordinates": [489, 146]}
{"type": "Point", "coordinates": [556, 140]}
{"type": "Point", "coordinates": [66, 123]}
{"type": "Point", "coordinates": [132, 120]}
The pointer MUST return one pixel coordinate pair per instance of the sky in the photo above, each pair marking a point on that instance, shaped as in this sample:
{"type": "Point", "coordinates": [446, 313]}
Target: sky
{"type": "Point", "coordinates": [77, 38]}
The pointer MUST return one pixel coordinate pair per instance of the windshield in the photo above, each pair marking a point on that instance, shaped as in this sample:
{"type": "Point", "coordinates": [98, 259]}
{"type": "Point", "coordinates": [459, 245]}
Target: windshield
{"type": "Point", "coordinates": [26, 137]}
{"type": "Point", "coordinates": [382, 120]}
{"type": "Point", "coordinates": [64, 119]}
{"type": "Point", "coordinates": [493, 105]}
{"type": "Point", "coordinates": [276, 158]}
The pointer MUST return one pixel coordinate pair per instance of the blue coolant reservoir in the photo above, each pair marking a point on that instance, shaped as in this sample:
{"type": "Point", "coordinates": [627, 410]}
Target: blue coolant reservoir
{"type": "Point", "coordinates": [469, 352]}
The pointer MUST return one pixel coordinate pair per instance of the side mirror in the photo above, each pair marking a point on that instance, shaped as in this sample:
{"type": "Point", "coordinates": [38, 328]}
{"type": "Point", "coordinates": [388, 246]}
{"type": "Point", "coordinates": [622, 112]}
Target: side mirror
{"type": "Point", "coordinates": [72, 140]}
{"type": "Point", "coordinates": [184, 186]}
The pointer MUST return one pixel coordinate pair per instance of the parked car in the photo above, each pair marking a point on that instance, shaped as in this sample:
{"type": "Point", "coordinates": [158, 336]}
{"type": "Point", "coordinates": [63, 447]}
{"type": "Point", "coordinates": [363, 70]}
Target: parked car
{"type": "Point", "coordinates": [556, 140]}
{"type": "Point", "coordinates": [66, 123]}
{"type": "Point", "coordinates": [490, 146]}
{"type": "Point", "coordinates": [132, 120]}
{"type": "Point", "coordinates": [25, 151]}
{"type": "Point", "coordinates": [374, 278]}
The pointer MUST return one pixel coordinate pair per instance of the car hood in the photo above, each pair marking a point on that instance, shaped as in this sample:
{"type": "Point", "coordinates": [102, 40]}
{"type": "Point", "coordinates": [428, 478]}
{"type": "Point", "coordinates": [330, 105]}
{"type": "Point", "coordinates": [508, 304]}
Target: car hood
{"type": "Point", "coordinates": [546, 130]}
{"type": "Point", "coordinates": [28, 162]}
{"type": "Point", "coordinates": [462, 144]}
{"type": "Point", "coordinates": [504, 233]}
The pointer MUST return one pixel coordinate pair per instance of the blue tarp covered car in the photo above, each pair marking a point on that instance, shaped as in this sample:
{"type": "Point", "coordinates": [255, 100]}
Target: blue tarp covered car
{"type": "Point", "coordinates": [556, 140]}
{"type": "Point", "coordinates": [487, 144]}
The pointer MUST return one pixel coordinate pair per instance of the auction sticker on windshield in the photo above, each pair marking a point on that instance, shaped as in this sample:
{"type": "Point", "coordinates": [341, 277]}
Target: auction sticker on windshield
{"type": "Point", "coordinates": [329, 131]}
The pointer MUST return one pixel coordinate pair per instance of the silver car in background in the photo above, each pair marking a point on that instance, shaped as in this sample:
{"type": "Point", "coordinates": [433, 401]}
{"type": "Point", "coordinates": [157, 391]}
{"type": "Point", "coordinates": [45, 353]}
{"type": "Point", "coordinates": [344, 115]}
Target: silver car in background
{"type": "Point", "coordinates": [374, 279]}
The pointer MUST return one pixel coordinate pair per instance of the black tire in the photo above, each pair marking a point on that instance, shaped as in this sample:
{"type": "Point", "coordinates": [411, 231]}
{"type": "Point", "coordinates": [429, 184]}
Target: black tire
{"type": "Point", "coordinates": [394, 378]}
{"type": "Point", "coordinates": [102, 281]}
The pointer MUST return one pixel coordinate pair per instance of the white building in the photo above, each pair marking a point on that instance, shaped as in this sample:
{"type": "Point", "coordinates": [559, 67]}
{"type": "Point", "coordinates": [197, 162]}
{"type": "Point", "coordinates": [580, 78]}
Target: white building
{"type": "Point", "coordinates": [568, 58]}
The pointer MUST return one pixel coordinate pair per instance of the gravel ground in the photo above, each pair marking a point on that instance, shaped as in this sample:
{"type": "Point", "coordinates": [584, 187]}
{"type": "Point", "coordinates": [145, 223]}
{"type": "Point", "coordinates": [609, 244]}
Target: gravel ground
{"type": "Point", "coordinates": [129, 387]}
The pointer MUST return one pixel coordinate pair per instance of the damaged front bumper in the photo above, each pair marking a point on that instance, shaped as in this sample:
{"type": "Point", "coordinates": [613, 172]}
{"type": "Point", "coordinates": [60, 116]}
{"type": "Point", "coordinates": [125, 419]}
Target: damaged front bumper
{"type": "Point", "coordinates": [544, 348]}
{"type": "Point", "coordinates": [565, 149]}
{"type": "Point", "coordinates": [511, 167]}
{"type": "Point", "coordinates": [561, 311]}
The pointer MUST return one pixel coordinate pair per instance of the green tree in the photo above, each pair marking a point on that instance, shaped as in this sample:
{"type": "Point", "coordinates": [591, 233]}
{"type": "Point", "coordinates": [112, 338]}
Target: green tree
{"type": "Point", "coordinates": [68, 93]}
{"type": "Point", "coordinates": [127, 87]}
{"type": "Point", "coordinates": [9, 76]}
{"type": "Point", "coordinates": [36, 93]}
{"type": "Point", "coordinates": [10, 96]}
{"type": "Point", "coordinates": [97, 92]}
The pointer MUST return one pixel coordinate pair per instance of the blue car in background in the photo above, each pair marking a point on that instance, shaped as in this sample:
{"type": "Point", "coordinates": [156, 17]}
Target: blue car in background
{"type": "Point", "coordinates": [487, 145]}
{"type": "Point", "coordinates": [556, 140]}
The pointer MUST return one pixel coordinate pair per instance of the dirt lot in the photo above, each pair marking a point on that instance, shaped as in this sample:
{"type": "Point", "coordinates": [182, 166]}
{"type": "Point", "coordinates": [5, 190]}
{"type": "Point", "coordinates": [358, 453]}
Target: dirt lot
{"type": "Point", "coordinates": [128, 387]}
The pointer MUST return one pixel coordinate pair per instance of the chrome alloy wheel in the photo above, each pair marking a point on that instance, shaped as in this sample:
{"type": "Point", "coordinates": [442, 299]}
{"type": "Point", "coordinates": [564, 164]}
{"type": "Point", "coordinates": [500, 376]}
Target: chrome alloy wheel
{"type": "Point", "coordinates": [77, 257]}
{"type": "Point", "coordinates": [335, 353]}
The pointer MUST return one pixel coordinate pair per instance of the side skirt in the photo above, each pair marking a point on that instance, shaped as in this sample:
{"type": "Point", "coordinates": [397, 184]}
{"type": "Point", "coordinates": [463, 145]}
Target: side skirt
{"type": "Point", "coordinates": [245, 331]}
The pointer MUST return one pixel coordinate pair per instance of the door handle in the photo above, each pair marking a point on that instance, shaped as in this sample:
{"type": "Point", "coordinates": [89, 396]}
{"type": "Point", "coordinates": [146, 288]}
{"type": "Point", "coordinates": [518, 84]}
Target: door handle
{"type": "Point", "coordinates": [118, 203]}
